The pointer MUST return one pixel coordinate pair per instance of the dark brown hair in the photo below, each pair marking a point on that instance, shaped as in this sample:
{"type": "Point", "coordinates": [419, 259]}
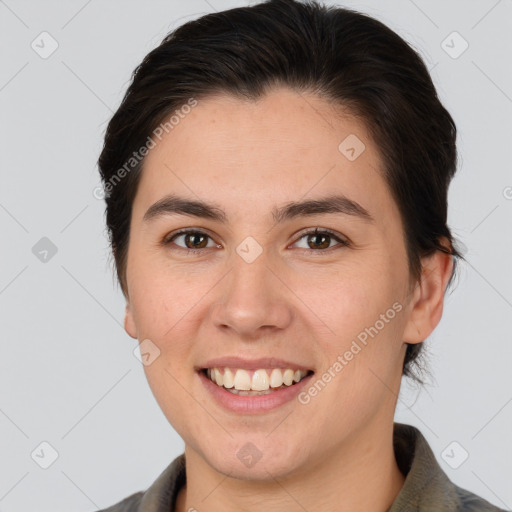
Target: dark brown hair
{"type": "Point", "coordinates": [346, 57]}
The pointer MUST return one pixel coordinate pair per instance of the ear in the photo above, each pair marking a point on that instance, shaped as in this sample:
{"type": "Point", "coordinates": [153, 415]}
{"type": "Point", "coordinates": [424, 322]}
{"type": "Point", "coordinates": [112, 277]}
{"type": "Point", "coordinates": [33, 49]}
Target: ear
{"type": "Point", "coordinates": [129, 322]}
{"type": "Point", "coordinates": [428, 297]}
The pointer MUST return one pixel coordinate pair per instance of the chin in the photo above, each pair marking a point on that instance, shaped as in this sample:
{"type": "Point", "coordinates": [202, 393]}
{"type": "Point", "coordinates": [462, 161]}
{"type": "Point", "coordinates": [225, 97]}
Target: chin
{"type": "Point", "coordinates": [254, 457]}
{"type": "Point", "coordinates": [261, 471]}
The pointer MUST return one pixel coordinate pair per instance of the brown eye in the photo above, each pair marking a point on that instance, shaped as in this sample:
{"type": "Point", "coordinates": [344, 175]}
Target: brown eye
{"type": "Point", "coordinates": [191, 240]}
{"type": "Point", "coordinates": [196, 240]}
{"type": "Point", "coordinates": [320, 241]}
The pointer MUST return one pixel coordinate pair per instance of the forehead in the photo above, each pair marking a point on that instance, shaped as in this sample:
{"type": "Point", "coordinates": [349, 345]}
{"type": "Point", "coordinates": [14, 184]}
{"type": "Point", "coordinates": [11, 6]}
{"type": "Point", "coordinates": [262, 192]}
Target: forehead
{"type": "Point", "coordinates": [285, 145]}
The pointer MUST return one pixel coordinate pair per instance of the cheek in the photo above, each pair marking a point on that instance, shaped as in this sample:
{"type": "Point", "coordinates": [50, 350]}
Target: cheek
{"type": "Point", "coordinates": [167, 384]}
{"type": "Point", "coordinates": [362, 315]}
{"type": "Point", "coordinates": [163, 311]}
{"type": "Point", "coordinates": [160, 296]}
{"type": "Point", "coordinates": [351, 298]}
{"type": "Point", "coordinates": [167, 309]}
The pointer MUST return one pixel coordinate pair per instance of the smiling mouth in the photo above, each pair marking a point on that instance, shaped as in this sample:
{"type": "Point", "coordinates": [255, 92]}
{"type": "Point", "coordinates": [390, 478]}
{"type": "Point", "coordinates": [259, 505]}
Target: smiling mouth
{"type": "Point", "coordinates": [257, 382]}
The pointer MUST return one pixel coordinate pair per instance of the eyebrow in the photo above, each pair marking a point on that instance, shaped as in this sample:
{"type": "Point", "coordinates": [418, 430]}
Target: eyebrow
{"type": "Point", "coordinates": [175, 205]}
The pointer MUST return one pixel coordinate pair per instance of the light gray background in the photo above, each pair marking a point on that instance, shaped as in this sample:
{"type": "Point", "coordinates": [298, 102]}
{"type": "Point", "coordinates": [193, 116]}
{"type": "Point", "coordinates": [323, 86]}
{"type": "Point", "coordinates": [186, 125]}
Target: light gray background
{"type": "Point", "coordinates": [68, 375]}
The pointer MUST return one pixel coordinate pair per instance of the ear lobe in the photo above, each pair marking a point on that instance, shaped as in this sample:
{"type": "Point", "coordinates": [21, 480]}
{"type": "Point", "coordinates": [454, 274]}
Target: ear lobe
{"type": "Point", "coordinates": [428, 297]}
{"type": "Point", "coordinates": [129, 322]}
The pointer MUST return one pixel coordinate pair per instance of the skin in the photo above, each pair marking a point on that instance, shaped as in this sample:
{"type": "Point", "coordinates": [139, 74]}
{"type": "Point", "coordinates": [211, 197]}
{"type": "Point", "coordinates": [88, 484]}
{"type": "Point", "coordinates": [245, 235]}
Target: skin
{"type": "Point", "coordinates": [293, 302]}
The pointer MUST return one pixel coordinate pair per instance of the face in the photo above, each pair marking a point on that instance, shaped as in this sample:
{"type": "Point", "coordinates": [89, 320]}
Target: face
{"type": "Point", "coordinates": [252, 289]}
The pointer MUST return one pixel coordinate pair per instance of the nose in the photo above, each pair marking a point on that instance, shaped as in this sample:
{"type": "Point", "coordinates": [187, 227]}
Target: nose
{"type": "Point", "coordinates": [252, 300]}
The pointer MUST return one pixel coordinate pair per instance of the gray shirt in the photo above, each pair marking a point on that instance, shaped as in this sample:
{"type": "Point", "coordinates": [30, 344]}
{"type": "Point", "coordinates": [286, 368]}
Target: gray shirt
{"type": "Point", "coordinates": [426, 487]}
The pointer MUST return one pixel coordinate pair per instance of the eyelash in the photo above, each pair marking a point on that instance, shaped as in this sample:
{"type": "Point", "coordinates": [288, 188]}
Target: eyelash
{"type": "Point", "coordinates": [342, 243]}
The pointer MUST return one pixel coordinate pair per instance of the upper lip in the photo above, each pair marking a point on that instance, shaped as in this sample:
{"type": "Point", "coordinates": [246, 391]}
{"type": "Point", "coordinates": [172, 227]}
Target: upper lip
{"type": "Point", "coordinates": [252, 364]}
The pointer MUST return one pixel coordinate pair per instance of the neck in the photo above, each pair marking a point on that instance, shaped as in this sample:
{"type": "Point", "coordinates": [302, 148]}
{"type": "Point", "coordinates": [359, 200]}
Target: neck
{"type": "Point", "coordinates": [361, 474]}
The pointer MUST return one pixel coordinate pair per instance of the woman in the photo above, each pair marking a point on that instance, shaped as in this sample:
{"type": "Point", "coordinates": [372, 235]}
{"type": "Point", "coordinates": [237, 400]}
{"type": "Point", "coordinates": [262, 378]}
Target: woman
{"type": "Point", "coordinates": [276, 185]}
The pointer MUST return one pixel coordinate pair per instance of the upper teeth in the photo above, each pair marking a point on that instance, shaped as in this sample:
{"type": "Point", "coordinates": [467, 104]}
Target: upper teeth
{"type": "Point", "coordinates": [261, 380]}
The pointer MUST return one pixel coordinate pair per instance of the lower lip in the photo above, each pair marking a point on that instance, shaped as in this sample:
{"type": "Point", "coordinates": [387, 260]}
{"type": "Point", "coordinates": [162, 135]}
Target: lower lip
{"type": "Point", "coordinates": [252, 404]}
